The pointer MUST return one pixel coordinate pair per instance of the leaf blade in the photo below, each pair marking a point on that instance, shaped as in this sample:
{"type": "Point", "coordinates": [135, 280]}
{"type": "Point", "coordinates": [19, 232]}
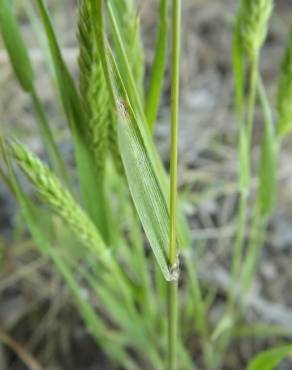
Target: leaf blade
{"type": "Point", "coordinates": [268, 360]}
{"type": "Point", "coordinates": [74, 112]}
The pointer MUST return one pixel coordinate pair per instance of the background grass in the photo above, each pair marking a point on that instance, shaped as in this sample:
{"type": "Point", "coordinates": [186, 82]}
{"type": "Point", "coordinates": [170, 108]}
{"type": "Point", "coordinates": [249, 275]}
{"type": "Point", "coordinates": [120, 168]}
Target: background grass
{"type": "Point", "coordinates": [208, 171]}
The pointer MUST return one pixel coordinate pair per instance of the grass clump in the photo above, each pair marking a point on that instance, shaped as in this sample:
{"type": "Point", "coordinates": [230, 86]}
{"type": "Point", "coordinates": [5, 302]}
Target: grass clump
{"type": "Point", "coordinates": [111, 118]}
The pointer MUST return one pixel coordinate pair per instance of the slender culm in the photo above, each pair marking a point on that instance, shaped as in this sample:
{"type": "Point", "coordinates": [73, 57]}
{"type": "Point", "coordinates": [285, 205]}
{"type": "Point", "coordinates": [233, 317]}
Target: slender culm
{"type": "Point", "coordinates": [175, 86]}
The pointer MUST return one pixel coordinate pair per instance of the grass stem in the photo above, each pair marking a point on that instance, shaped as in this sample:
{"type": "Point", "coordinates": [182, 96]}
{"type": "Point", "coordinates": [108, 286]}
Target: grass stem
{"type": "Point", "coordinates": [252, 97]}
{"type": "Point", "coordinates": [172, 324]}
{"type": "Point", "coordinates": [175, 85]}
{"type": "Point", "coordinates": [243, 201]}
{"type": "Point", "coordinates": [174, 129]}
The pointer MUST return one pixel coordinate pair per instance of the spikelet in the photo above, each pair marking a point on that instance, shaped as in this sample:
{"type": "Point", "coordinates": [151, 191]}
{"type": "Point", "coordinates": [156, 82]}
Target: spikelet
{"type": "Point", "coordinates": [284, 97]}
{"type": "Point", "coordinates": [252, 24]}
{"type": "Point", "coordinates": [57, 197]}
{"type": "Point", "coordinates": [93, 88]}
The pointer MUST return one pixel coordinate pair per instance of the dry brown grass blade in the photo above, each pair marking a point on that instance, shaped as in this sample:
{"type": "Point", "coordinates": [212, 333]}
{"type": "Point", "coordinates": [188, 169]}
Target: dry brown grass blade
{"type": "Point", "coordinates": [21, 352]}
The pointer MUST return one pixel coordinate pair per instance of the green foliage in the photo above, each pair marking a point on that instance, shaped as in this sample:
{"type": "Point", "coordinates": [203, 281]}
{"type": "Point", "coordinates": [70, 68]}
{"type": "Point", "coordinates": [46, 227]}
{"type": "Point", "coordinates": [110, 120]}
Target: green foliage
{"type": "Point", "coordinates": [268, 171]}
{"type": "Point", "coordinates": [158, 67]}
{"type": "Point", "coordinates": [146, 192]}
{"type": "Point", "coordinates": [244, 169]}
{"type": "Point", "coordinates": [75, 114]}
{"type": "Point", "coordinates": [284, 98]}
{"type": "Point", "coordinates": [128, 25]}
{"type": "Point", "coordinates": [24, 72]}
{"type": "Point", "coordinates": [15, 46]}
{"type": "Point", "coordinates": [102, 248]}
{"type": "Point", "coordinates": [268, 360]}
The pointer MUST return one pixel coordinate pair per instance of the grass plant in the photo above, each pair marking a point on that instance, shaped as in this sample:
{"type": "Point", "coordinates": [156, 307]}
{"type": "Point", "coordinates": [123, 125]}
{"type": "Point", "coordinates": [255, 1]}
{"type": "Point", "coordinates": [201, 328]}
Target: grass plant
{"type": "Point", "coordinates": [120, 204]}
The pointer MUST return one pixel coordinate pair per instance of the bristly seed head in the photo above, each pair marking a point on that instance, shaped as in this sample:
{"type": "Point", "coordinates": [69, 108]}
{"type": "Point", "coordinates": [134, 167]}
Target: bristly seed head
{"type": "Point", "coordinates": [252, 24]}
{"type": "Point", "coordinates": [93, 88]}
{"type": "Point", "coordinates": [57, 197]}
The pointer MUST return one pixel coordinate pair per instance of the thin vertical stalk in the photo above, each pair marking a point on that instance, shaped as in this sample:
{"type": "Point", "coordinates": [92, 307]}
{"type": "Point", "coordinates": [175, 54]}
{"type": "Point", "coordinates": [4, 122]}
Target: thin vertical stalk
{"type": "Point", "coordinates": [238, 246]}
{"type": "Point", "coordinates": [260, 221]}
{"type": "Point", "coordinates": [172, 324]}
{"type": "Point", "coordinates": [174, 127]}
{"type": "Point", "coordinates": [252, 97]}
{"type": "Point", "coordinates": [242, 213]}
{"type": "Point", "coordinates": [175, 85]}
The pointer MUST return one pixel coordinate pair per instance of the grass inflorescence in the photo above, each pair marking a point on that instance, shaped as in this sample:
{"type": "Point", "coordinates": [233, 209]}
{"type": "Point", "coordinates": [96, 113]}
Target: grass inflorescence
{"type": "Point", "coordinates": [252, 23]}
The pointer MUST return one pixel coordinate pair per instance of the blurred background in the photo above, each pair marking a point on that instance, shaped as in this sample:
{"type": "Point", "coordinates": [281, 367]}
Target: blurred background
{"type": "Point", "coordinates": [36, 307]}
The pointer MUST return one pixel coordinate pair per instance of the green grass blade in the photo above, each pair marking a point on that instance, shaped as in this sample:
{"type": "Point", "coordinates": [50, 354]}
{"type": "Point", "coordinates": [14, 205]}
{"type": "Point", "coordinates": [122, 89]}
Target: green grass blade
{"type": "Point", "coordinates": [124, 62]}
{"type": "Point", "coordinates": [238, 72]}
{"type": "Point", "coordinates": [16, 47]}
{"type": "Point", "coordinates": [95, 324]}
{"type": "Point", "coordinates": [131, 94]}
{"type": "Point", "coordinates": [107, 338]}
{"type": "Point", "coordinates": [224, 326]}
{"type": "Point", "coordinates": [146, 192]}
{"type": "Point", "coordinates": [133, 133]}
{"type": "Point", "coordinates": [5, 178]}
{"type": "Point", "coordinates": [244, 163]}
{"type": "Point", "coordinates": [268, 360]}
{"type": "Point", "coordinates": [73, 109]}
{"type": "Point", "coordinates": [23, 68]}
{"type": "Point", "coordinates": [268, 161]}
{"type": "Point", "coordinates": [284, 94]}
{"type": "Point", "coordinates": [149, 201]}
{"type": "Point", "coordinates": [158, 67]}
{"type": "Point", "coordinates": [128, 23]}
{"type": "Point", "coordinates": [263, 331]}
{"type": "Point", "coordinates": [134, 330]}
